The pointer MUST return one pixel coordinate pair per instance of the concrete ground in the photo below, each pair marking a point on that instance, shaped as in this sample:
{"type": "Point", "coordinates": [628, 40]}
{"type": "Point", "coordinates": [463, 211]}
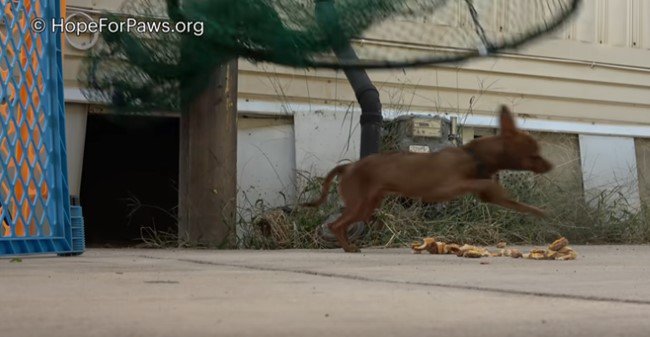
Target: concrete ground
{"type": "Point", "coordinates": [380, 292]}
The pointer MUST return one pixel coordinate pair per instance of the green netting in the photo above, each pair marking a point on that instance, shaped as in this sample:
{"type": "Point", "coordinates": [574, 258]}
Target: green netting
{"type": "Point", "coordinates": [139, 70]}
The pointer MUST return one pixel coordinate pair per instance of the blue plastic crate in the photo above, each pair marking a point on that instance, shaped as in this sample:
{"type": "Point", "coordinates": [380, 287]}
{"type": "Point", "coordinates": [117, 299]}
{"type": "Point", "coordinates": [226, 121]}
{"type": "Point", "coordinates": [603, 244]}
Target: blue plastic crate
{"type": "Point", "coordinates": [35, 212]}
{"type": "Point", "coordinates": [76, 212]}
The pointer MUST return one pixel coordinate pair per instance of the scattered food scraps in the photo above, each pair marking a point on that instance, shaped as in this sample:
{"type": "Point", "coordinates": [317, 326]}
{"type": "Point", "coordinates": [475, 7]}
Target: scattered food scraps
{"type": "Point", "coordinates": [558, 244]}
{"type": "Point", "coordinates": [428, 245]}
{"type": "Point", "coordinates": [558, 250]}
{"type": "Point", "coordinates": [513, 253]}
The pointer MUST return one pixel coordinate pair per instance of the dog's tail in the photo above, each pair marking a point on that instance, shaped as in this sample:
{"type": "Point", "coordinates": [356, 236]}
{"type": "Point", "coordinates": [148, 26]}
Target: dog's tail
{"type": "Point", "coordinates": [326, 186]}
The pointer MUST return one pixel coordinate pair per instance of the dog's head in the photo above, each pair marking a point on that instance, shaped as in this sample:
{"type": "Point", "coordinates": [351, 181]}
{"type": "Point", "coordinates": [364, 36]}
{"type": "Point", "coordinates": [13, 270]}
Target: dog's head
{"type": "Point", "coordinates": [521, 151]}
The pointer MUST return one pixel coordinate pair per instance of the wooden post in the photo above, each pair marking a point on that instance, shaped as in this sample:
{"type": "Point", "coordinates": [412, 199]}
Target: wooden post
{"type": "Point", "coordinates": [208, 163]}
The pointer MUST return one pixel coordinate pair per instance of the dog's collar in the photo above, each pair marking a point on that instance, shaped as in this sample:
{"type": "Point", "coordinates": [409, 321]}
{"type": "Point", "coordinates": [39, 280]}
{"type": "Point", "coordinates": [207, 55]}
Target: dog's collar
{"type": "Point", "coordinates": [481, 169]}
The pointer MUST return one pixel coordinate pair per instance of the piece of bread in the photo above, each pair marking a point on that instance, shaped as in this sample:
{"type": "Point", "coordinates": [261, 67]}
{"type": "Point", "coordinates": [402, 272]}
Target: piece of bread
{"type": "Point", "coordinates": [473, 254]}
{"type": "Point", "coordinates": [429, 244]}
{"type": "Point", "coordinates": [558, 244]}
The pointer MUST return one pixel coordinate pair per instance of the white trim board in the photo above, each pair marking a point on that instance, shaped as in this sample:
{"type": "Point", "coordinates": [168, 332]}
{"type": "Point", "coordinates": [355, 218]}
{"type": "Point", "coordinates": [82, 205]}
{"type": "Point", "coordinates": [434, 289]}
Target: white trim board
{"type": "Point", "coordinates": [529, 124]}
{"type": "Point", "coordinates": [74, 95]}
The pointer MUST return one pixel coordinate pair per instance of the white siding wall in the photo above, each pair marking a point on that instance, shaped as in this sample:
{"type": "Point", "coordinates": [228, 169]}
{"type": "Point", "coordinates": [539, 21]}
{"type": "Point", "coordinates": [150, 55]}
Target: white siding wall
{"type": "Point", "coordinates": [265, 163]}
{"type": "Point", "coordinates": [609, 164]}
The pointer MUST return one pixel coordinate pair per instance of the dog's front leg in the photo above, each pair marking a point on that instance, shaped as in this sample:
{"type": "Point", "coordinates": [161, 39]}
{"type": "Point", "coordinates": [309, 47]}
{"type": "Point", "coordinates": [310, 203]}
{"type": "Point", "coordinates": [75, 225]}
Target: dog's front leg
{"type": "Point", "coordinates": [490, 191]}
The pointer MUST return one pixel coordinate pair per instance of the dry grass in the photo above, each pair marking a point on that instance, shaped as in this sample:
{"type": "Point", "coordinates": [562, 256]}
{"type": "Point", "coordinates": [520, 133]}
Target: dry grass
{"type": "Point", "coordinates": [467, 220]}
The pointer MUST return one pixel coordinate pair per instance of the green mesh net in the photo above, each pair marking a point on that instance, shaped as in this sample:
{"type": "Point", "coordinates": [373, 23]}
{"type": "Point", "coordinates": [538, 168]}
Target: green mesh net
{"type": "Point", "coordinates": [140, 70]}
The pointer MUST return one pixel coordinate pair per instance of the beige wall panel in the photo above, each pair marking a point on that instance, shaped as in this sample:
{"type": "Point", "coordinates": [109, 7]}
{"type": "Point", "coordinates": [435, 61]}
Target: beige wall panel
{"type": "Point", "coordinates": [441, 27]}
{"type": "Point", "coordinates": [643, 168]}
{"type": "Point", "coordinates": [585, 22]}
{"type": "Point", "coordinates": [635, 24]}
{"type": "Point", "coordinates": [488, 18]}
{"type": "Point", "coordinates": [598, 107]}
{"type": "Point", "coordinates": [505, 66]}
{"type": "Point", "coordinates": [452, 15]}
{"type": "Point", "coordinates": [548, 69]}
{"type": "Point", "coordinates": [644, 24]}
{"type": "Point", "coordinates": [535, 107]}
{"type": "Point", "coordinates": [288, 87]}
{"type": "Point", "coordinates": [411, 32]}
{"type": "Point", "coordinates": [617, 22]}
{"type": "Point", "coordinates": [71, 52]}
{"type": "Point", "coordinates": [71, 68]}
{"type": "Point", "coordinates": [446, 78]}
{"type": "Point", "coordinates": [503, 83]}
{"type": "Point", "coordinates": [608, 103]}
{"type": "Point", "coordinates": [566, 50]}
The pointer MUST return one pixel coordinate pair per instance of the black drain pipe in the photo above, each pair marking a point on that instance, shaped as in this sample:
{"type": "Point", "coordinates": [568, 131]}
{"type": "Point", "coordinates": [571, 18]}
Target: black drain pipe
{"type": "Point", "coordinates": [366, 93]}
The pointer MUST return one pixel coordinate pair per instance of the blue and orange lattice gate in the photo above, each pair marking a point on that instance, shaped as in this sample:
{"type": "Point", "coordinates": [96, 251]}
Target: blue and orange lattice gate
{"type": "Point", "coordinates": [35, 212]}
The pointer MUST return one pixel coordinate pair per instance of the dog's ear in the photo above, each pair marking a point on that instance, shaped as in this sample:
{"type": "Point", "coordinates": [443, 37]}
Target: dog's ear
{"type": "Point", "coordinates": [506, 122]}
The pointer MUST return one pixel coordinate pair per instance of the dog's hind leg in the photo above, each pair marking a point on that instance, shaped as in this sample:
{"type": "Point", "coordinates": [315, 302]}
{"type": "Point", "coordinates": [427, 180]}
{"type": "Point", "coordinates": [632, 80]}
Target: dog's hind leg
{"type": "Point", "coordinates": [362, 212]}
{"type": "Point", "coordinates": [340, 228]}
{"type": "Point", "coordinates": [370, 206]}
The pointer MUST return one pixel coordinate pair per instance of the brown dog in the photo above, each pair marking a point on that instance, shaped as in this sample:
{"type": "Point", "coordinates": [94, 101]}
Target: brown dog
{"type": "Point", "coordinates": [434, 177]}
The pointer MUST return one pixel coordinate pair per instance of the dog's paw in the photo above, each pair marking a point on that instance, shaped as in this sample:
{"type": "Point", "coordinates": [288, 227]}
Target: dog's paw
{"type": "Point", "coordinates": [352, 249]}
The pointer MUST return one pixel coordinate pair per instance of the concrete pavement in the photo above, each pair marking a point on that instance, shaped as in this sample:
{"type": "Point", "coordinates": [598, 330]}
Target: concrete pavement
{"type": "Point", "coordinates": [380, 292]}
